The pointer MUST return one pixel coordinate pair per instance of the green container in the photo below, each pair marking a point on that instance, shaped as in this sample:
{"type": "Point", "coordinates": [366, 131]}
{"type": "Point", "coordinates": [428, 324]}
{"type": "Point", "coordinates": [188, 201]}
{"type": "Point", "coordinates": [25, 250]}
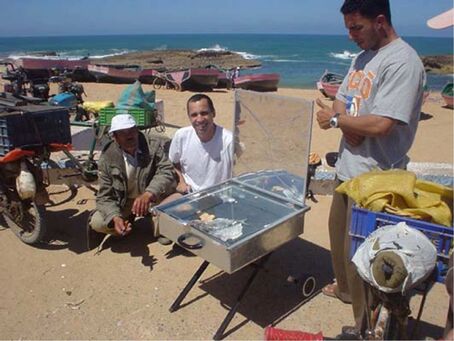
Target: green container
{"type": "Point", "coordinates": [144, 118]}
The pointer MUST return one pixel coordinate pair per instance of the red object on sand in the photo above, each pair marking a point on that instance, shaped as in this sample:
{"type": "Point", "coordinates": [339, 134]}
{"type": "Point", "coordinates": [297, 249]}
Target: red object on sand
{"type": "Point", "coordinates": [272, 333]}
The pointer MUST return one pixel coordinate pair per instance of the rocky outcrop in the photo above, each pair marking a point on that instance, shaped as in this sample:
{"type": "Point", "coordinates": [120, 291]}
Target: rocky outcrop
{"type": "Point", "coordinates": [172, 60]}
{"type": "Point", "coordinates": [438, 64]}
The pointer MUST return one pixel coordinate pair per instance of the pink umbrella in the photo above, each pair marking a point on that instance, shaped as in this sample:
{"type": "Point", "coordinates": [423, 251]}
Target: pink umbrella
{"type": "Point", "coordinates": [443, 20]}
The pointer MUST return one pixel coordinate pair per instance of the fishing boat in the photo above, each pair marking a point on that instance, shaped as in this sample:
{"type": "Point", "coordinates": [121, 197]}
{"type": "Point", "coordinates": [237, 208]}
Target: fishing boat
{"type": "Point", "coordinates": [447, 93]}
{"type": "Point", "coordinates": [46, 67]}
{"type": "Point", "coordinates": [51, 64]}
{"type": "Point", "coordinates": [225, 77]}
{"type": "Point", "coordinates": [194, 79]}
{"type": "Point", "coordinates": [147, 76]}
{"type": "Point", "coordinates": [258, 82]}
{"type": "Point", "coordinates": [117, 74]}
{"type": "Point", "coordinates": [329, 83]}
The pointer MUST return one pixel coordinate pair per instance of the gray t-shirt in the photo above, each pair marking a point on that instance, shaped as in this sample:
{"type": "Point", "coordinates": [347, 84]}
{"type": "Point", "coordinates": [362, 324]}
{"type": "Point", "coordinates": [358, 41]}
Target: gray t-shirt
{"type": "Point", "coordinates": [387, 82]}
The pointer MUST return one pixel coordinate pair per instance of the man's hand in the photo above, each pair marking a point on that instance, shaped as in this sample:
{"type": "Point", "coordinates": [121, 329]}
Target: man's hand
{"type": "Point", "coordinates": [183, 188]}
{"type": "Point", "coordinates": [122, 227]}
{"type": "Point", "coordinates": [324, 114]}
{"type": "Point", "coordinates": [142, 203]}
{"type": "Point", "coordinates": [353, 139]}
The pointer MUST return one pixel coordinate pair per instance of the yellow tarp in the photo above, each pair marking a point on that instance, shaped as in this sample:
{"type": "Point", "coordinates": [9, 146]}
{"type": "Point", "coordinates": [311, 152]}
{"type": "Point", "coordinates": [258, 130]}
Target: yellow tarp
{"type": "Point", "coordinates": [400, 192]}
{"type": "Point", "coordinates": [96, 106]}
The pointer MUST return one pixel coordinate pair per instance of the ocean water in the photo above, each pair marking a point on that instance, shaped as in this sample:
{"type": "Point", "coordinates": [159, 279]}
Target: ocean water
{"type": "Point", "coordinates": [299, 59]}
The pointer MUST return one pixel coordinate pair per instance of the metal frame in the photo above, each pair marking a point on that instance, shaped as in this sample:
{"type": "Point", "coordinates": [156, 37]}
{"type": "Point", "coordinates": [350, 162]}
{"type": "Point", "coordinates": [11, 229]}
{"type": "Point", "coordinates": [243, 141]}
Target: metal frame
{"type": "Point", "coordinates": [228, 318]}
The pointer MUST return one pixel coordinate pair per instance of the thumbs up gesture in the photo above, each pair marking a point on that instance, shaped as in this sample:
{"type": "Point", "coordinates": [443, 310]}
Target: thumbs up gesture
{"type": "Point", "coordinates": [324, 114]}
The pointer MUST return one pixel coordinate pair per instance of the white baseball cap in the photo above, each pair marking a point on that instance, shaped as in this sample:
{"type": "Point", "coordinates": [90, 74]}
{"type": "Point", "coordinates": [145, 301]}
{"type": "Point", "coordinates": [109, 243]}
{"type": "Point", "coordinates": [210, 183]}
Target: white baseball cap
{"type": "Point", "coordinates": [122, 121]}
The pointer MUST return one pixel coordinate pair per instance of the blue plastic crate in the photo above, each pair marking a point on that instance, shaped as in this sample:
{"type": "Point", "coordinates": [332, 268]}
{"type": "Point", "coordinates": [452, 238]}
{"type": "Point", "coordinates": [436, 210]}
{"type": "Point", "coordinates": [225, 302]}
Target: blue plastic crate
{"type": "Point", "coordinates": [364, 222]}
{"type": "Point", "coordinates": [35, 125]}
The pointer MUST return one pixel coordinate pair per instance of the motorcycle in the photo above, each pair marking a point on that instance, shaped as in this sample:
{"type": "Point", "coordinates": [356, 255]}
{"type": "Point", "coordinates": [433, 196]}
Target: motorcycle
{"type": "Point", "coordinates": [70, 95]}
{"type": "Point", "coordinates": [33, 131]}
{"type": "Point", "coordinates": [23, 196]}
{"type": "Point", "coordinates": [24, 84]}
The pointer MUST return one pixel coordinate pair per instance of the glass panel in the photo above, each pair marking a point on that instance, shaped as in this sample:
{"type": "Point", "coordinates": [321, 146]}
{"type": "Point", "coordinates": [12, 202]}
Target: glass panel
{"type": "Point", "coordinates": [230, 212]}
{"type": "Point", "coordinates": [272, 132]}
{"type": "Point", "coordinates": [280, 182]}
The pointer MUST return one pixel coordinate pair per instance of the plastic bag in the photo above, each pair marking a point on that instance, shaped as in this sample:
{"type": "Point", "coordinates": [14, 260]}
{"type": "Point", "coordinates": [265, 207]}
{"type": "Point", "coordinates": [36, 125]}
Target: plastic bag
{"type": "Point", "coordinates": [408, 251]}
{"type": "Point", "coordinates": [133, 97]}
{"type": "Point", "coordinates": [25, 183]}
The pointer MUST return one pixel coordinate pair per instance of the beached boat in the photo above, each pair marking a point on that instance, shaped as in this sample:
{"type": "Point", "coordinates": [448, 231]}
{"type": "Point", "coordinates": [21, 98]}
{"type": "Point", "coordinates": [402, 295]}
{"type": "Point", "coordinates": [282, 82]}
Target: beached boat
{"type": "Point", "coordinates": [329, 83]}
{"type": "Point", "coordinates": [46, 67]}
{"type": "Point", "coordinates": [194, 79]}
{"type": "Point", "coordinates": [258, 82]}
{"type": "Point", "coordinates": [147, 76]}
{"type": "Point", "coordinates": [51, 64]}
{"type": "Point", "coordinates": [447, 93]}
{"type": "Point", "coordinates": [117, 74]}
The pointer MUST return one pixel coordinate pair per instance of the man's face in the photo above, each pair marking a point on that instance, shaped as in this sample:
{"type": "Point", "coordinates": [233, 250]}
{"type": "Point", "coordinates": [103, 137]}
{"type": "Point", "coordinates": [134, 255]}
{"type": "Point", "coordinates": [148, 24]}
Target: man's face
{"type": "Point", "coordinates": [128, 139]}
{"type": "Point", "coordinates": [363, 31]}
{"type": "Point", "coordinates": [202, 119]}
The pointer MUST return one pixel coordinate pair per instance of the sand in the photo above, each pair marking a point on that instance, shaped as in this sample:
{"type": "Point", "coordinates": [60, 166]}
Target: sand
{"type": "Point", "coordinates": [60, 291]}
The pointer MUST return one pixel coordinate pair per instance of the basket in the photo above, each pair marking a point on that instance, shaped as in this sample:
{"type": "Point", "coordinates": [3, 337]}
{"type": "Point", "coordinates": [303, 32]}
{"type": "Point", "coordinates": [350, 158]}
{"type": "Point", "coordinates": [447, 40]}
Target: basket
{"type": "Point", "coordinates": [34, 126]}
{"type": "Point", "coordinates": [144, 118]}
{"type": "Point", "coordinates": [364, 222]}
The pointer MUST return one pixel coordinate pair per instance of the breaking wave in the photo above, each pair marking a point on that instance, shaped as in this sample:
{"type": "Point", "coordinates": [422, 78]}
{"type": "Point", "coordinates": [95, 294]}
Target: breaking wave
{"type": "Point", "coordinates": [216, 47]}
{"type": "Point", "coordinates": [68, 55]}
{"type": "Point", "coordinates": [344, 55]}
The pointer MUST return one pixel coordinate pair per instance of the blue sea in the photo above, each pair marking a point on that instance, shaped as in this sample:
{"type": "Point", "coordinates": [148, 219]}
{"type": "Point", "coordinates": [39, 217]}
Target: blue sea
{"type": "Point", "coordinates": [299, 59]}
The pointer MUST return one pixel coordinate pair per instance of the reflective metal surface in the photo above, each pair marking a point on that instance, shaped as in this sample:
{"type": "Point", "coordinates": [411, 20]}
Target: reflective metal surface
{"type": "Point", "coordinates": [272, 132]}
{"type": "Point", "coordinates": [239, 221]}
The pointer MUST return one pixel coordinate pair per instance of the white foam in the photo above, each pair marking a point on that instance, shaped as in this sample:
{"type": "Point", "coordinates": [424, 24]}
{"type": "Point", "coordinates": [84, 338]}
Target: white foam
{"type": "Point", "coordinates": [247, 55]}
{"type": "Point", "coordinates": [71, 55]}
{"type": "Point", "coordinates": [215, 47]}
{"type": "Point", "coordinates": [344, 55]}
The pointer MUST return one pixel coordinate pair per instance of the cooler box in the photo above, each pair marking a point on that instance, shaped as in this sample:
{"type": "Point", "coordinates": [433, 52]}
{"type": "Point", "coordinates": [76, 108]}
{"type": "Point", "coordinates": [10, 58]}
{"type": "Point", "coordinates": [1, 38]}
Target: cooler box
{"type": "Point", "coordinates": [33, 126]}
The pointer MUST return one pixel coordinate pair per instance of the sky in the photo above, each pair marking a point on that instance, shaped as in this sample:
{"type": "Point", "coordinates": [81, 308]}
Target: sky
{"type": "Point", "coordinates": [109, 17]}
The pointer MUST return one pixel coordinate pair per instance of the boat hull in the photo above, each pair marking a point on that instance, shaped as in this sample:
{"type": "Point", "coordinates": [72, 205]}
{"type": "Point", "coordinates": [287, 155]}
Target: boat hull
{"type": "Point", "coordinates": [108, 74]}
{"type": "Point", "coordinates": [447, 94]}
{"type": "Point", "coordinates": [194, 79]}
{"type": "Point", "coordinates": [258, 82]}
{"type": "Point", "coordinates": [329, 84]}
{"type": "Point", "coordinates": [42, 67]}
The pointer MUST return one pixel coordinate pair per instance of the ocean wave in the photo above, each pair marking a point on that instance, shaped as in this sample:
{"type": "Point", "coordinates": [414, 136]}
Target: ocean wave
{"type": "Point", "coordinates": [247, 55]}
{"type": "Point", "coordinates": [286, 60]}
{"type": "Point", "coordinates": [344, 55]}
{"type": "Point", "coordinates": [68, 55]}
{"type": "Point", "coordinates": [119, 53]}
{"type": "Point", "coordinates": [215, 47]}
{"type": "Point", "coordinates": [160, 48]}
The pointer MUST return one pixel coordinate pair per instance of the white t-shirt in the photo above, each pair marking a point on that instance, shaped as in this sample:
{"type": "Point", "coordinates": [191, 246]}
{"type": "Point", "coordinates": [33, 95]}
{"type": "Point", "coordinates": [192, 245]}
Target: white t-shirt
{"type": "Point", "coordinates": [203, 164]}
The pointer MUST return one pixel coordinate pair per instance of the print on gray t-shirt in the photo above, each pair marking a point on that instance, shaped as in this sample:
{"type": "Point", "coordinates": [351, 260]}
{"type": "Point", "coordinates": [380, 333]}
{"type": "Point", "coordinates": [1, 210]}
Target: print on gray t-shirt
{"type": "Point", "coordinates": [387, 82]}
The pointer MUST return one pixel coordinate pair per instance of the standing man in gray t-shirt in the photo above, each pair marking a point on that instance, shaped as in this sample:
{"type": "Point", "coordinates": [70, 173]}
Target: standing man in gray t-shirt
{"type": "Point", "coordinates": [377, 108]}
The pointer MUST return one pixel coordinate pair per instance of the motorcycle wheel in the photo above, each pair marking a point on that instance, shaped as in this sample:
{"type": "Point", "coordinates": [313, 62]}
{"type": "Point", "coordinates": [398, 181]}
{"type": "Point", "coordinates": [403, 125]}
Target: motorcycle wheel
{"type": "Point", "coordinates": [29, 225]}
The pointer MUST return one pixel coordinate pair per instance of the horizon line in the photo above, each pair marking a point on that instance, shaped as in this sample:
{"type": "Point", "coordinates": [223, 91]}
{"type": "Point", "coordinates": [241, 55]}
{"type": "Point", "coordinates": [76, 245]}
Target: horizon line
{"type": "Point", "coordinates": [243, 33]}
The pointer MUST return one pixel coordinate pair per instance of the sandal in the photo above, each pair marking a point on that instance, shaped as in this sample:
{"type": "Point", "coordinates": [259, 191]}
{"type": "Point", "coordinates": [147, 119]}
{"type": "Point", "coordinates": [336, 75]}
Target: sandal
{"type": "Point", "coordinates": [330, 290]}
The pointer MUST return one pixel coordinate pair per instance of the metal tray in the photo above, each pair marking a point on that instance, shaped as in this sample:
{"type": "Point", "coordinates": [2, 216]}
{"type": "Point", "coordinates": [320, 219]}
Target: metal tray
{"type": "Point", "coordinates": [244, 221]}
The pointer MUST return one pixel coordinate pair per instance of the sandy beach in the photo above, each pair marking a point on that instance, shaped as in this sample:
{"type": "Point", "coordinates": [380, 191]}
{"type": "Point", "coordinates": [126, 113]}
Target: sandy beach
{"type": "Point", "coordinates": [60, 291]}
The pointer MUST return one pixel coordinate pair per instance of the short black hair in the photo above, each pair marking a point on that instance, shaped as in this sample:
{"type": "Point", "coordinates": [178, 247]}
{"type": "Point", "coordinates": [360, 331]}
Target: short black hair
{"type": "Point", "coordinates": [367, 8]}
{"type": "Point", "coordinates": [198, 97]}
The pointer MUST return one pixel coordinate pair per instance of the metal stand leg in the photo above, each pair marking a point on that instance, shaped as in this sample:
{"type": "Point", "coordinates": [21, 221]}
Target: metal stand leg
{"type": "Point", "coordinates": [176, 305]}
{"type": "Point", "coordinates": [233, 310]}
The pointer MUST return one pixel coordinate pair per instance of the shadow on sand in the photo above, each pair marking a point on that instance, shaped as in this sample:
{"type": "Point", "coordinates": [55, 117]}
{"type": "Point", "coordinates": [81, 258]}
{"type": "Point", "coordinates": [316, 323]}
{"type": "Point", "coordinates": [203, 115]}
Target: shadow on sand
{"type": "Point", "coordinates": [67, 230]}
{"type": "Point", "coordinates": [425, 116]}
{"type": "Point", "coordinates": [271, 297]}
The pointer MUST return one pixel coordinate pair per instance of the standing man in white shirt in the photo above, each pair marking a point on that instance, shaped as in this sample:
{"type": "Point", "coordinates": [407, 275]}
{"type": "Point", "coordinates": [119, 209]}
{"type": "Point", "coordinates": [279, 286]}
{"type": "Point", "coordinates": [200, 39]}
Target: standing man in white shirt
{"type": "Point", "coordinates": [203, 152]}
